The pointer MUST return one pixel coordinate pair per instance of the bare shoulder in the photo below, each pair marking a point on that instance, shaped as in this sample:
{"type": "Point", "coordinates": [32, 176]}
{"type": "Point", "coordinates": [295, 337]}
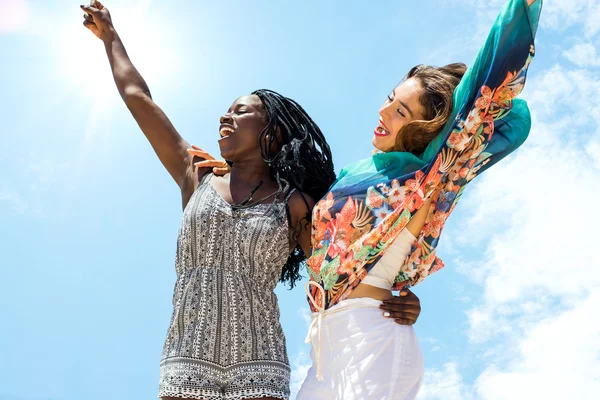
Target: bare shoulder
{"type": "Point", "coordinates": [300, 205]}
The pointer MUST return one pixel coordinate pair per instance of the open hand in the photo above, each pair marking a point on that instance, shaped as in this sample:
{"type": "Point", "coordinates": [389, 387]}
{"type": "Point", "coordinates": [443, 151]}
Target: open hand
{"type": "Point", "coordinates": [202, 159]}
{"type": "Point", "coordinates": [97, 19]}
{"type": "Point", "coordinates": [405, 309]}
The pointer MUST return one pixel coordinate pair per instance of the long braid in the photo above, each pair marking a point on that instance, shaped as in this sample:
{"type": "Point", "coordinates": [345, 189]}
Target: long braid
{"type": "Point", "coordinates": [304, 161]}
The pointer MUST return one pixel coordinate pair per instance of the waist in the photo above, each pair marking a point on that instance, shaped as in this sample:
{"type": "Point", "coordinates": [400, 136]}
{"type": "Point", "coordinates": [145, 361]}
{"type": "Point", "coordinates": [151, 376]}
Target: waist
{"type": "Point", "coordinates": [203, 277]}
{"type": "Point", "coordinates": [364, 290]}
{"type": "Point", "coordinates": [340, 308]}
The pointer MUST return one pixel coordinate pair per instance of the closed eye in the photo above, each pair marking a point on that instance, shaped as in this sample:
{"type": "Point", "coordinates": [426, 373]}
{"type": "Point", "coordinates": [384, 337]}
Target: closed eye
{"type": "Point", "coordinates": [401, 113]}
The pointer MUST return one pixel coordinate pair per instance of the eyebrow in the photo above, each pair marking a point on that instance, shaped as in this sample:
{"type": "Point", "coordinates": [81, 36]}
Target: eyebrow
{"type": "Point", "coordinates": [406, 106]}
{"type": "Point", "coordinates": [237, 106]}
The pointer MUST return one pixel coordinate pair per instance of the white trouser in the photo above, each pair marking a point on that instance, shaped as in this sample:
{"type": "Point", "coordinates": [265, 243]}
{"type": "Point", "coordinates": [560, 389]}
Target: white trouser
{"type": "Point", "coordinates": [362, 355]}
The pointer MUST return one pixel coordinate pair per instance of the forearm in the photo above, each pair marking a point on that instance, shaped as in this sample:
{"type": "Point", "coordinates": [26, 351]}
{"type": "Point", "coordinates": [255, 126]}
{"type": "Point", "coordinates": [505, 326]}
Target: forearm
{"type": "Point", "coordinates": [127, 78]}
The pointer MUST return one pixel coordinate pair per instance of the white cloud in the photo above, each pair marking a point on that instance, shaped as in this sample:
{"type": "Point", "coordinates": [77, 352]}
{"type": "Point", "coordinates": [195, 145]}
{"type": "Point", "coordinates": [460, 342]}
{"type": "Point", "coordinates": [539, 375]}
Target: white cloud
{"type": "Point", "coordinates": [561, 15]}
{"type": "Point", "coordinates": [593, 151]}
{"type": "Point", "coordinates": [558, 358]}
{"type": "Point", "coordinates": [444, 384]}
{"type": "Point", "coordinates": [300, 364]}
{"type": "Point", "coordinates": [563, 100]}
{"type": "Point", "coordinates": [540, 204]}
{"type": "Point", "coordinates": [592, 21]}
{"type": "Point", "coordinates": [583, 55]}
{"type": "Point", "coordinates": [305, 315]}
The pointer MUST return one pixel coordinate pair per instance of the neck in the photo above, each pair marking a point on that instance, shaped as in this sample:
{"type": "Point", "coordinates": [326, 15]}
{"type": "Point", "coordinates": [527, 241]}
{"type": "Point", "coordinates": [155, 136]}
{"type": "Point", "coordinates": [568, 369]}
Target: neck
{"type": "Point", "coordinates": [250, 172]}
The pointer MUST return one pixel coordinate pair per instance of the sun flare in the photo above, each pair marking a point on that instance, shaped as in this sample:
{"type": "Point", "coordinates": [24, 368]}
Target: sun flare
{"type": "Point", "coordinates": [83, 64]}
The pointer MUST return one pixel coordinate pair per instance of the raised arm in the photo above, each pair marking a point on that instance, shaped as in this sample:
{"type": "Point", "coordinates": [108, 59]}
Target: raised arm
{"type": "Point", "coordinates": [169, 146]}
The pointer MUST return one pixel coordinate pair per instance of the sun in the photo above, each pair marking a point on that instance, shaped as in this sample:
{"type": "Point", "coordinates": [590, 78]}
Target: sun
{"type": "Point", "coordinates": [81, 56]}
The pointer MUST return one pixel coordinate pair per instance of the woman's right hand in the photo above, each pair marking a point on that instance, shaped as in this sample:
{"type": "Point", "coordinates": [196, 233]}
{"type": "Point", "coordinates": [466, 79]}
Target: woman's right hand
{"type": "Point", "coordinates": [97, 19]}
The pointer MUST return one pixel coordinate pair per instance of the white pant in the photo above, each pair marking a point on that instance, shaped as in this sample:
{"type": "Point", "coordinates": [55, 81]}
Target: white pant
{"type": "Point", "coordinates": [363, 356]}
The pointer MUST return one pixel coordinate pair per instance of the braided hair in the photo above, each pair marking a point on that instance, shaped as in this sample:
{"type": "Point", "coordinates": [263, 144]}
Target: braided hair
{"type": "Point", "coordinates": [299, 157]}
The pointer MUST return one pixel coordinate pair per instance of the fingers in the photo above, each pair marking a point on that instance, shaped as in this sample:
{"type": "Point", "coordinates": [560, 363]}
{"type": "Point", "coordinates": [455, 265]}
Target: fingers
{"type": "Point", "coordinates": [404, 322]}
{"type": "Point", "coordinates": [210, 164]}
{"type": "Point", "coordinates": [408, 307]}
{"type": "Point", "coordinates": [97, 4]}
{"type": "Point", "coordinates": [90, 10]}
{"type": "Point", "coordinates": [90, 25]}
{"type": "Point", "coordinates": [219, 167]}
{"type": "Point", "coordinates": [402, 301]}
{"type": "Point", "coordinates": [198, 152]}
{"type": "Point", "coordinates": [88, 17]}
{"type": "Point", "coordinates": [406, 297]}
{"type": "Point", "coordinates": [402, 318]}
{"type": "Point", "coordinates": [220, 171]}
{"type": "Point", "coordinates": [393, 310]}
{"type": "Point", "coordinates": [405, 313]}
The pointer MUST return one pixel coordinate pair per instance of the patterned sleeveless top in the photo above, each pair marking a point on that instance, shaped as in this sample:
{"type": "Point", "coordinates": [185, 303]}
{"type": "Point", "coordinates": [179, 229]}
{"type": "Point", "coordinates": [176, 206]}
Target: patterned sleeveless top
{"type": "Point", "coordinates": [224, 339]}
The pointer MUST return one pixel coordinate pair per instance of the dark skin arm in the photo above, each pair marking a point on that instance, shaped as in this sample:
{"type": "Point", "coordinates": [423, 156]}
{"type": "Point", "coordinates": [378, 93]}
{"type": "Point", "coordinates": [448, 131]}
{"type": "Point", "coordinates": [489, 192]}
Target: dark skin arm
{"type": "Point", "coordinates": [167, 143]}
{"type": "Point", "coordinates": [300, 206]}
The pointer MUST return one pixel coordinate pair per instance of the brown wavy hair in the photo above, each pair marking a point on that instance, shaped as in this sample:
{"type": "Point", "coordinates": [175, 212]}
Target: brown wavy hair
{"type": "Point", "coordinates": [437, 84]}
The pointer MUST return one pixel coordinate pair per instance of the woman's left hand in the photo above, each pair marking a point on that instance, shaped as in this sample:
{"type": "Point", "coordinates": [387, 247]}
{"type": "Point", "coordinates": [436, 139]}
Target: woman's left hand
{"type": "Point", "coordinates": [404, 309]}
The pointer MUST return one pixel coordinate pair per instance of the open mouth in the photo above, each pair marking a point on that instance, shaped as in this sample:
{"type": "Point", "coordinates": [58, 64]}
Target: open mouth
{"type": "Point", "coordinates": [225, 131]}
{"type": "Point", "coordinates": [381, 130]}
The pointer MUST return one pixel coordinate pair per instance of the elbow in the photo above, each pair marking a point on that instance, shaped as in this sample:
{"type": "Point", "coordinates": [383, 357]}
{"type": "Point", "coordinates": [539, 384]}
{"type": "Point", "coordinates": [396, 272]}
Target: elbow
{"type": "Point", "coordinates": [133, 95]}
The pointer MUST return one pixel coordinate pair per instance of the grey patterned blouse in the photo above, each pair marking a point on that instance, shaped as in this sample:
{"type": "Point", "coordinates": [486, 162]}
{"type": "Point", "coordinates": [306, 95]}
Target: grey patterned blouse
{"type": "Point", "coordinates": [224, 340]}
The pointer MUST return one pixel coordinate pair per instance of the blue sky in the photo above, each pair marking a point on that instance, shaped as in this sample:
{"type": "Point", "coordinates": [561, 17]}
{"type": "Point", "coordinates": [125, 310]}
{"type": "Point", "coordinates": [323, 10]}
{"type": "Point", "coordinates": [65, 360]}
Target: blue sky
{"type": "Point", "coordinates": [89, 218]}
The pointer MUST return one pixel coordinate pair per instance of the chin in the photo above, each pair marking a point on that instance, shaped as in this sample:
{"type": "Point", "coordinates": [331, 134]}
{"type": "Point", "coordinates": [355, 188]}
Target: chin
{"type": "Point", "coordinates": [227, 153]}
{"type": "Point", "coordinates": [377, 144]}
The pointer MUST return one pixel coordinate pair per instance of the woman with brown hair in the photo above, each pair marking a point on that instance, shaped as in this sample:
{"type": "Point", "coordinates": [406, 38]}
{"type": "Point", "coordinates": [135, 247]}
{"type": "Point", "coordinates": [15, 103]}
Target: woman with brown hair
{"type": "Point", "coordinates": [438, 129]}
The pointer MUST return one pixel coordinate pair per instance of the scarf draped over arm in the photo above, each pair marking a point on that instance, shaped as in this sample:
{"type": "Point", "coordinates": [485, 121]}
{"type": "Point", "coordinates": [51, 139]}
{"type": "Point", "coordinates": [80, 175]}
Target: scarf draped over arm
{"type": "Point", "coordinates": [373, 199]}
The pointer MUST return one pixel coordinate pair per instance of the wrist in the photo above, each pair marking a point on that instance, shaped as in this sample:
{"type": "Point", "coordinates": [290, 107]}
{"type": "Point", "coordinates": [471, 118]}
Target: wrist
{"type": "Point", "coordinates": [109, 34]}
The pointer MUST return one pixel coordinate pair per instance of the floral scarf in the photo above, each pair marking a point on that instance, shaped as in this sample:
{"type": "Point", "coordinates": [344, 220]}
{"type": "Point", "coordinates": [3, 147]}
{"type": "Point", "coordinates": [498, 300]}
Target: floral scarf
{"type": "Point", "coordinates": [373, 199]}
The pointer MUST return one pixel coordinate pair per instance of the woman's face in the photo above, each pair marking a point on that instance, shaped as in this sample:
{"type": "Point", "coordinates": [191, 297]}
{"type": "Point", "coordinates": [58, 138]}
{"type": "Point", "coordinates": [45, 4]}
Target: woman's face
{"type": "Point", "coordinates": [240, 129]}
{"type": "Point", "coordinates": [401, 107]}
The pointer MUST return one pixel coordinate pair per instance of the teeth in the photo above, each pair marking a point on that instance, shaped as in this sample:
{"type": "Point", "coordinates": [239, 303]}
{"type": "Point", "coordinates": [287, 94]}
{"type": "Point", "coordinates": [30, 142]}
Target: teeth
{"type": "Point", "coordinates": [225, 131]}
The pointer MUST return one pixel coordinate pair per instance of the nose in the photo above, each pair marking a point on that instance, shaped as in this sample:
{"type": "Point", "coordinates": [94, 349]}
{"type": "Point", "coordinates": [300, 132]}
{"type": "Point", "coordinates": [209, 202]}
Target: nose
{"type": "Point", "coordinates": [384, 110]}
{"type": "Point", "coordinates": [226, 119]}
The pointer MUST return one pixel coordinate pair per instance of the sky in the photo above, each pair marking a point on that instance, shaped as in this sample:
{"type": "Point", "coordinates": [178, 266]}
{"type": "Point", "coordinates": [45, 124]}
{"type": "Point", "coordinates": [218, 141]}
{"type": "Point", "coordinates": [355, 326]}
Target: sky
{"type": "Point", "coordinates": [89, 217]}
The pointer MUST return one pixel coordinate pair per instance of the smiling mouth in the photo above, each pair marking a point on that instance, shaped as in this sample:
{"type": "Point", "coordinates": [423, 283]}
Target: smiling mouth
{"type": "Point", "coordinates": [225, 131]}
{"type": "Point", "coordinates": [381, 130]}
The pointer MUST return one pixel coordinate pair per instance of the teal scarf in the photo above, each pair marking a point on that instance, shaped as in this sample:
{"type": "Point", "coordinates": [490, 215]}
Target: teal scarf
{"type": "Point", "coordinates": [373, 199]}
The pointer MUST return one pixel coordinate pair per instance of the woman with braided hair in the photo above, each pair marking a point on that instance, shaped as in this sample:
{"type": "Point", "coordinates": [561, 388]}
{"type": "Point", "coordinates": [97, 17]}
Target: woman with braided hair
{"type": "Point", "coordinates": [241, 233]}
